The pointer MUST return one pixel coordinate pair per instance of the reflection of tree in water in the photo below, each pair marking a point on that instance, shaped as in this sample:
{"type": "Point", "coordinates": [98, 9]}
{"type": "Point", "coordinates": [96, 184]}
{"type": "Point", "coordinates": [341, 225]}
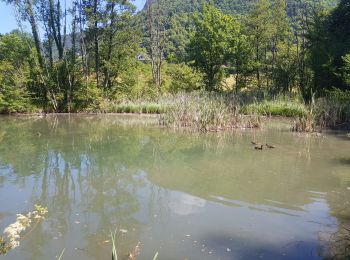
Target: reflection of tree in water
{"type": "Point", "coordinates": [99, 167]}
{"type": "Point", "coordinates": [229, 168]}
{"type": "Point", "coordinates": [338, 243]}
{"type": "Point", "coordinates": [77, 166]}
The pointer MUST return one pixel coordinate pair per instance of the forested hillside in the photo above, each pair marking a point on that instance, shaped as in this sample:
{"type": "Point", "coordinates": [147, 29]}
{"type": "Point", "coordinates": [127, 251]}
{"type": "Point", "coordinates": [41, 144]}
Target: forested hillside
{"type": "Point", "coordinates": [235, 7]}
{"type": "Point", "coordinates": [178, 22]}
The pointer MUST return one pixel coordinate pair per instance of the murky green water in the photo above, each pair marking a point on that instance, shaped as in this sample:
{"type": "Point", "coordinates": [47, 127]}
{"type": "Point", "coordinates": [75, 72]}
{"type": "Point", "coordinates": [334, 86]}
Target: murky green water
{"type": "Point", "coordinates": [185, 195]}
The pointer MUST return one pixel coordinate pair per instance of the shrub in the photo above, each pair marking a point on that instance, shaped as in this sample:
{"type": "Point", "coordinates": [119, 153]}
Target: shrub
{"type": "Point", "coordinates": [184, 78]}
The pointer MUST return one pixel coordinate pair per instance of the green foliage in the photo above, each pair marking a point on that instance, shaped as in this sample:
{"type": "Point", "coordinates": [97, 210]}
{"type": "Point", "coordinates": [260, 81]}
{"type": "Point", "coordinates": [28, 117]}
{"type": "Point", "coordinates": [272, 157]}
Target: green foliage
{"type": "Point", "coordinates": [215, 39]}
{"type": "Point", "coordinates": [135, 83]}
{"type": "Point", "coordinates": [233, 7]}
{"type": "Point", "coordinates": [278, 46]}
{"type": "Point", "coordinates": [88, 97]}
{"type": "Point", "coordinates": [136, 107]}
{"type": "Point", "coordinates": [14, 73]}
{"type": "Point", "coordinates": [184, 78]}
{"type": "Point", "coordinates": [286, 67]}
{"type": "Point", "coordinates": [125, 46]}
{"type": "Point", "coordinates": [345, 70]}
{"type": "Point", "coordinates": [242, 62]}
{"type": "Point", "coordinates": [330, 41]}
{"type": "Point", "coordinates": [260, 27]}
{"type": "Point", "coordinates": [178, 35]}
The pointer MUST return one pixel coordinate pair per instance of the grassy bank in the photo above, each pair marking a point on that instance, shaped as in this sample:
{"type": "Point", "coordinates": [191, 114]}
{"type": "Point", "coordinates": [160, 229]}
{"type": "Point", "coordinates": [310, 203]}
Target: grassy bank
{"type": "Point", "coordinates": [134, 107]}
{"type": "Point", "coordinates": [207, 111]}
{"type": "Point", "coordinates": [276, 107]}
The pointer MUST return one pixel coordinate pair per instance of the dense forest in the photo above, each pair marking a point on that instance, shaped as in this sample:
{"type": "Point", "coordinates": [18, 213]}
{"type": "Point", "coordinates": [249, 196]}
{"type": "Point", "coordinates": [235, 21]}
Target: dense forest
{"type": "Point", "coordinates": [94, 53]}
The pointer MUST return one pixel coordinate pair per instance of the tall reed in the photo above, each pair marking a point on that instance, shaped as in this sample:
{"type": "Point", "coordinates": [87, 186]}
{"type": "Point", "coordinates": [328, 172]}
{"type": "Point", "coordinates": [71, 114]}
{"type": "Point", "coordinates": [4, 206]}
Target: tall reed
{"type": "Point", "coordinates": [205, 111]}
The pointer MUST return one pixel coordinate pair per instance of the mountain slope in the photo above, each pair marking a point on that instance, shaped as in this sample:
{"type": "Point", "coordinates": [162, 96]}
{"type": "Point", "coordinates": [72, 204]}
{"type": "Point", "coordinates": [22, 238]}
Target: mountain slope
{"type": "Point", "coordinates": [238, 7]}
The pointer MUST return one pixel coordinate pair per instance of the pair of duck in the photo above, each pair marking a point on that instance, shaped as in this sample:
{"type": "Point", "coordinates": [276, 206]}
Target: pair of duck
{"type": "Point", "coordinates": [261, 146]}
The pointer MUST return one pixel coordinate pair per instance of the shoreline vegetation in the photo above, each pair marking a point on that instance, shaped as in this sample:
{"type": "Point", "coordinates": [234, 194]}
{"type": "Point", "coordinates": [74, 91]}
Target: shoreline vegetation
{"type": "Point", "coordinates": [212, 111]}
{"type": "Point", "coordinates": [211, 68]}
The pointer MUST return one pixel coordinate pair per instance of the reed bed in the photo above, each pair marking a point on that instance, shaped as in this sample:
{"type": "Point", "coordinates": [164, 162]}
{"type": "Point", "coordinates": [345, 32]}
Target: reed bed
{"type": "Point", "coordinates": [206, 111]}
{"type": "Point", "coordinates": [332, 110]}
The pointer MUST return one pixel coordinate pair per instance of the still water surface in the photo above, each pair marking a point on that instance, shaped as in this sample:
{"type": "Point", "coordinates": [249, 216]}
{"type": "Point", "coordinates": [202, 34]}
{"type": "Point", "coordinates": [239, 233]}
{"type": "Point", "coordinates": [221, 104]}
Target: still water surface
{"type": "Point", "coordinates": [184, 195]}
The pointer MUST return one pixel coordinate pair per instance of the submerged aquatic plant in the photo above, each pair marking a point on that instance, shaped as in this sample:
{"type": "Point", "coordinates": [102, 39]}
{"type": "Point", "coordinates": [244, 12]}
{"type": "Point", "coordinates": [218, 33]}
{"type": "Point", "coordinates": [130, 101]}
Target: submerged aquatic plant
{"type": "Point", "coordinates": [12, 234]}
{"type": "Point", "coordinates": [155, 256]}
{"type": "Point", "coordinates": [61, 255]}
{"type": "Point", "coordinates": [114, 250]}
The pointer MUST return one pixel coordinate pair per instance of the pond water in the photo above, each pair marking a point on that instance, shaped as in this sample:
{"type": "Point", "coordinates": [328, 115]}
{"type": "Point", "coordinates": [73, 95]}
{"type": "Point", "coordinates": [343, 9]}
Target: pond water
{"type": "Point", "coordinates": [184, 195]}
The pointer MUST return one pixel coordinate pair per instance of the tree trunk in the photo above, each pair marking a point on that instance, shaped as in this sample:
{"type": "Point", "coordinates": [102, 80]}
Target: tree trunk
{"type": "Point", "coordinates": [35, 33]}
{"type": "Point", "coordinates": [107, 81]}
{"type": "Point", "coordinates": [96, 43]}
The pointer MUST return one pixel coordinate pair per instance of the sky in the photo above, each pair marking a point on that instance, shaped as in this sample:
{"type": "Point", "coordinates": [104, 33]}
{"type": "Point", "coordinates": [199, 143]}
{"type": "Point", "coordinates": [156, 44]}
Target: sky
{"type": "Point", "coordinates": [8, 20]}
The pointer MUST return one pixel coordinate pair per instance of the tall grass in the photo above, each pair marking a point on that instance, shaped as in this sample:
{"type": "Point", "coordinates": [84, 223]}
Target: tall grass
{"type": "Point", "coordinates": [330, 111]}
{"type": "Point", "coordinates": [249, 105]}
{"type": "Point", "coordinates": [276, 107]}
{"type": "Point", "coordinates": [130, 107]}
{"type": "Point", "coordinates": [206, 111]}
{"type": "Point", "coordinates": [333, 109]}
{"type": "Point", "coordinates": [304, 123]}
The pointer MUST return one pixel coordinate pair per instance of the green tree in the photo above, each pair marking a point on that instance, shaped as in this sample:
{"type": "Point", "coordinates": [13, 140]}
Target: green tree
{"type": "Point", "coordinates": [178, 35]}
{"type": "Point", "coordinates": [329, 38]}
{"type": "Point", "coordinates": [280, 31]}
{"type": "Point", "coordinates": [15, 61]}
{"type": "Point", "coordinates": [184, 78]}
{"type": "Point", "coordinates": [345, 71]}
{"type": "Point", "coordinates": [213, 43]}
{"type": "Point", "coordinates": [242, 62]}
{"type": "Point", "coordinates": [286, 68]}
{"type": "Point", "coordinates": [259, 29]}
{"type": "Point", "coordinates": [119, 41]}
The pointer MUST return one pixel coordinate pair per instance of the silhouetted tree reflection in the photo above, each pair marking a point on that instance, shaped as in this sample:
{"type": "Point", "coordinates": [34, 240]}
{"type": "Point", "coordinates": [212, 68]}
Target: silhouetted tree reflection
{"type": "Point", "coordinates": [73, 169]}
{"type": "Point", "coordinates": [97, 173]}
